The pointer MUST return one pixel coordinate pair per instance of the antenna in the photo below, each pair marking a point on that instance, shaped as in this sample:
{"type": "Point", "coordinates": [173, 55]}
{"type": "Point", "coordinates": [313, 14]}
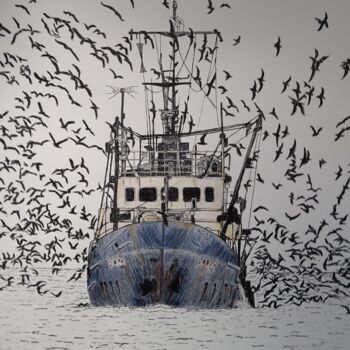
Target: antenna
{"type": "Point", "coordinates": [126, 90]}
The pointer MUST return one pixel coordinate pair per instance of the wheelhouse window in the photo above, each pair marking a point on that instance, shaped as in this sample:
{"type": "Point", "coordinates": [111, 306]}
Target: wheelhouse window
{"type": "Point", "coordinates": [129, 194]}
{"type": "Point", "coordinates": [173, 194]}
{"type": "Point", "coordinates": [148, 194]}
{"type": "Point", "coordinates": [191, 192]}
{"type": "Point", "coordinates": [209, 194]}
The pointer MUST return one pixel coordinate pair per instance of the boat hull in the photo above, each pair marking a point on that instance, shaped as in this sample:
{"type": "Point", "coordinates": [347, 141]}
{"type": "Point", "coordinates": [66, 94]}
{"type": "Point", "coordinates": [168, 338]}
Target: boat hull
{"type": "Point", "coordinates": [178, 264]}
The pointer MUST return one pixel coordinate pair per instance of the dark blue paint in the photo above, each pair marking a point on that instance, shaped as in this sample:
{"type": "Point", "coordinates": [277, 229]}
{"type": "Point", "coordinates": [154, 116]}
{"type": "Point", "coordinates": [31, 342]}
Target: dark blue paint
{"type": "Point", "coordinates": [180, 264]}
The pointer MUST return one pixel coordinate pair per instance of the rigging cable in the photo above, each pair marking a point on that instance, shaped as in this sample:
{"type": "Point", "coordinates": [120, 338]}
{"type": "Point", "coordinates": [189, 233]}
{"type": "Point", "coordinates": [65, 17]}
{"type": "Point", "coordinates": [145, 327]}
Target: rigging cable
{"type": "Point", "coordinates": [253, 192]}
{"type": "Point", "coordinates": [103, 192]}
{"type": "Point", "coordinates": [182, 120]}
{"type": "Point", "coordinates": [201, 88]}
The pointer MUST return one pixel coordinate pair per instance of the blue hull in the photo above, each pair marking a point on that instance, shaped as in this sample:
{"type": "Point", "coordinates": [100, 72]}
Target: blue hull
{"type": "Point", "coordinates": [180, 264]}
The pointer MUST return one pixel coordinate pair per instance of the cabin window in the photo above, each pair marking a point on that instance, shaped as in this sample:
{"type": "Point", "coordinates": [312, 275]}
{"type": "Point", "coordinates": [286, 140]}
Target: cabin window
{"type": "Point", "coordinates": [209, 194]}
{"type": "Point", "coordinates": [191, 192]}
{"type": "Point", "coordinates": [148, 194]}
{"type": "Point", "coordinates": [129, 194]}
{"type": "Point", "coordinates": [173, 194]}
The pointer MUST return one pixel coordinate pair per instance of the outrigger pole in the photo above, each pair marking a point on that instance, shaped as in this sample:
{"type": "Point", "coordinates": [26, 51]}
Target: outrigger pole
{"type": "Point", "coordinates": [115, 211]}
{"type": "Point", "coordinates": [230, 209]}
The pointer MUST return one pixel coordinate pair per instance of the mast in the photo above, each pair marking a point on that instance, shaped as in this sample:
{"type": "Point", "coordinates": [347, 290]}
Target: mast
{"type": "Point", "coordinates": [172, 29]}
{"type": "Point", "coordinates": [118, 126]}
{"type": "Point", "coordinates": [170, 82]}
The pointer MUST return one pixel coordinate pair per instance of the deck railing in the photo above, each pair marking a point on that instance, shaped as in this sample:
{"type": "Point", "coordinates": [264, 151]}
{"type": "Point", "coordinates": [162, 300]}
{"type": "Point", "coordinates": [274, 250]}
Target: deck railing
{"type": "Point", "coordinates": [153, 163]}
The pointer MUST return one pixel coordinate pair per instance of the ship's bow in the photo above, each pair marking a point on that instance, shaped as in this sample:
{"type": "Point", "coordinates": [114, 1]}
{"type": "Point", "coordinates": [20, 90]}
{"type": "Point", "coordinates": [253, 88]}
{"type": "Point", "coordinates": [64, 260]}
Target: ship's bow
{"type": "Point", "coordinates": [178, 264]}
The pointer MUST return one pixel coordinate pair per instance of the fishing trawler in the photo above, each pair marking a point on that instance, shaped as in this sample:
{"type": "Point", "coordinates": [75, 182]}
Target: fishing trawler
{"type": "Point", "coordinates": [169, 228]}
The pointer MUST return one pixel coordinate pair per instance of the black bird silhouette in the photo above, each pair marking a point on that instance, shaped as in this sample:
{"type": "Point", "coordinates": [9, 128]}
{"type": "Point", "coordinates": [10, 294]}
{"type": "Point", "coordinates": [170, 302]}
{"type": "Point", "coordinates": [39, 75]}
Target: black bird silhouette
{"type": "Point", "coordinates": [346, 67]}
{"type": "Point", "coordinates": [285, 132]}
{"type": "Point", "coordinates": [73, 246]}
{"type": "Point", "coordinates": [227, 113]}
{"type": "Point", "coordinates": [2, 115]}
{"type": "Point", "coordinates": [237, 40]}
{"type": "Point", "coordinates": [291, 218]}
{"type": "Point", "coordinates": [276, 186]}
{"type": "Point", "coordinates": [261, 80]}
{"type": "Point", "coordinates": [115, 75]}
{"type": "Point", "coordinates": [339, 172]}
{"type": "Point", "coordinates": [225, 5]}
{"type": "Point", "coordinates": [95, 108]}
{"type": "Point", "coordinates": [68, 48]}
{"type": "Point", "coordinates": [202, 140]}
{"type": "Point", "coordinates": [259, 178]}
{"type": "Point", "coordinates": [71, 15]}
{"type": "Point", "coordinates": [322, 22]}
{"type": "Point", "coordinates": [278, 46]}
{"type": "Point", "coordinates": [260, 207]}
{"type": "Point", "coordinates": [297, 90]}
{"type": "Point", "coordinates": [273, 113]}
{"type": "Point", "coordinates": [309, 182]}
{"type": "Point", "coordinates": [3, 28]}
{"type": "Point", "coordinates": [210, 85]}
{"type": "Point", "coordinates": [210, 7]}
{"type": "Point", "coordinates": [113, 10]}
{"type": "Point", "coordinates": [8, 147]}
{"type": "Point", "coordinates": [286, 84]}
{"type": "Point", "coordinates": [158, 74]}
{"type": "Point", "coordinates": [278, 152]}
{"type": "Point", "coordinates": [245, 106]}
{"type": "Point", "coordinates": [23, 8]}
{"type": "Point", "coordinates": [197, 78]}
{"type": "Point", "coordinates": [316, 62]}
{"type": "Point", "coordinates": [321, 97]}
{"type": "Point", "coordinates": [231, 104]}
{"type": "Point", "coordinates": [65, 125]}
{"type": "Point", "coordinates": [306, 158]}
{"type": "Point", "coordinates": [277, 134]}
{"type": "Point", "coordinates": [297, 103]}
{"type": "Point", "coordinates": [227, 75]}
{"type": "Point", "coordinates": [321, 163]}
{"type": "Point", "coordinates": [99, 32]}
{"type": "Point", "coordinates": [314, 131]}
{"type": "Point", "coordinates": [309, 94]}
{"type": "Point", "coordinates": [266, 134]}
{"type": "Point", "coordinates": [254, 90]}
{"type": "Point", "coordinates": [223, 89]}
{"type": "Point", "coordinates": [57, 143]}
{"type": "Point", "coordinates": [56, 295]}
{"type": "Point", "coordinates": [340, 134]}
{"type": "Point", "coordinates": [87, 127]}
{"type": "Point", "coordinates": [343, 121]}
{"type": "Point", "coordinates": [191, 124]}
{"type": "Point", "coordinates": [237, 148]}
{"type": "Point", "coordinates": [266, 239]}
{"type": "Point", "coordinates": [166, 3]}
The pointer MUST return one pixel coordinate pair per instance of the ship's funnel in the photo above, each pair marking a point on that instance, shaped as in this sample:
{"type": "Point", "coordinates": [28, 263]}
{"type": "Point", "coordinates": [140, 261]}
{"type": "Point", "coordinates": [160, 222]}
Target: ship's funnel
{"type": "Point", "coordinates": [140, 47]}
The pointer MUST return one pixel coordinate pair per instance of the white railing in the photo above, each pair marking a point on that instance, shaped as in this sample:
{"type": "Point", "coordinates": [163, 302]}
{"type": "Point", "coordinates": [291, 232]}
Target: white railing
{"type": "Point", "coordinates": [153, 163]}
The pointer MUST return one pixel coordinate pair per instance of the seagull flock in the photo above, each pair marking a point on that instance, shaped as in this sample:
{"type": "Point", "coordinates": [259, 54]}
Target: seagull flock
{"type": "Point", "coordinates": [48, 144]}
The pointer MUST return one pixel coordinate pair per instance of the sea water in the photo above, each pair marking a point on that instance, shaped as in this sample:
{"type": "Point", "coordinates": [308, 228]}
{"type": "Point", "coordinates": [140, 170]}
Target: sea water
{"type": "Point", "coordinates": [31, 321]}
